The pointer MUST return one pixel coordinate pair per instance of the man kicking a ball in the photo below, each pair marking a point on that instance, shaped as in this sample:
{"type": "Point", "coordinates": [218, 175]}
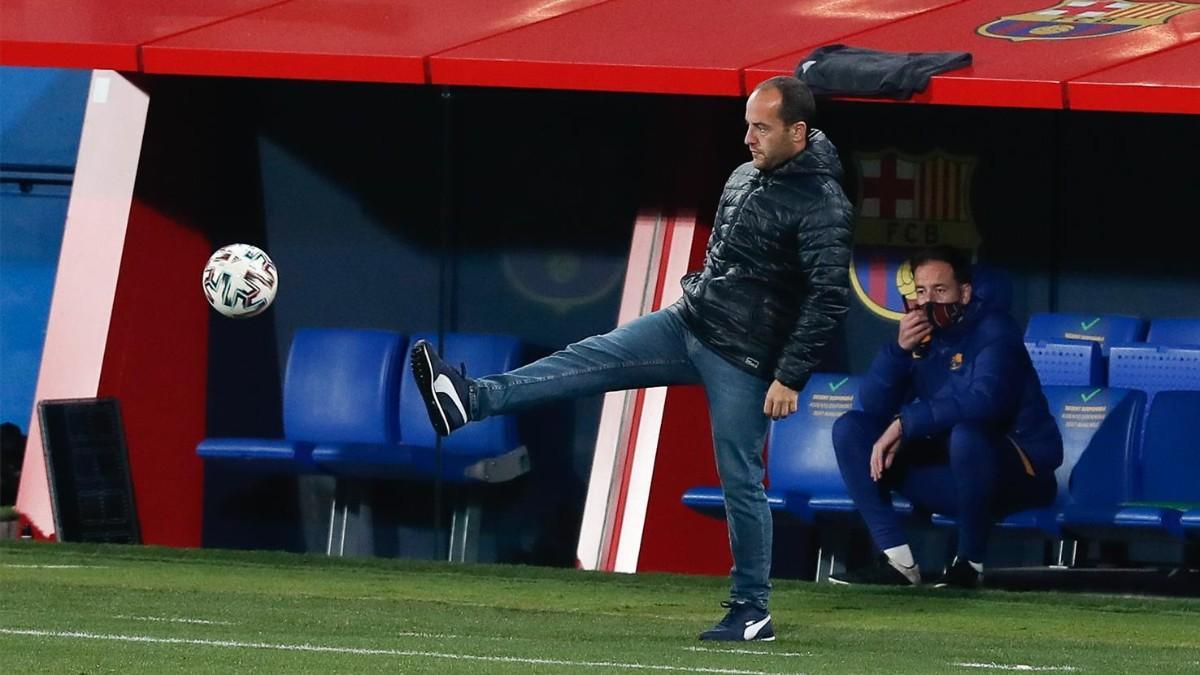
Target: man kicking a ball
{"type": "Point", "coordinates": [751, 327]}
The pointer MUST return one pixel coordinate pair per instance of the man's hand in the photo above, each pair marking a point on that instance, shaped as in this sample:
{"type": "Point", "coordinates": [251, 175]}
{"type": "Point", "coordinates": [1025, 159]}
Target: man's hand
{"type": "Point", "coordinates": [914, 327]}
{"type": "Point", "coordinates": [884, 450]}
{"type": "Point", "coordinates": [780, 402]}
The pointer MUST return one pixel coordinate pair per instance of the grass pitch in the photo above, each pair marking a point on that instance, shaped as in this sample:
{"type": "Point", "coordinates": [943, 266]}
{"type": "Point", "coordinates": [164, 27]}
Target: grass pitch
{"type": "Point", "coordinates": [99, 609]}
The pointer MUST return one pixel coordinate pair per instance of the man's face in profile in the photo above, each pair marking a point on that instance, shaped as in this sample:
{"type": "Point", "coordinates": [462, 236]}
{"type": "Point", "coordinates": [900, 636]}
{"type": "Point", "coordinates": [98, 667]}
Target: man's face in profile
{"type": "Point", "coordinates": [770, 141]}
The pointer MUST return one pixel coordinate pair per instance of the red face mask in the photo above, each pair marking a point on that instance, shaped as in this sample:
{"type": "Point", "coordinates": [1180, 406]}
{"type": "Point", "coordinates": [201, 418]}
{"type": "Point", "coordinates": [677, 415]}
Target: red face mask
{"type": "Point", "coordinates": [944, 314]}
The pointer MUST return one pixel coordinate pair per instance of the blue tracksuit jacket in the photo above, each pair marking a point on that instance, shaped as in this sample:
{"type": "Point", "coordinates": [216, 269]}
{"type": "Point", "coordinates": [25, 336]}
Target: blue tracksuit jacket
{"type": "Point", "coordinates": [977, 371]}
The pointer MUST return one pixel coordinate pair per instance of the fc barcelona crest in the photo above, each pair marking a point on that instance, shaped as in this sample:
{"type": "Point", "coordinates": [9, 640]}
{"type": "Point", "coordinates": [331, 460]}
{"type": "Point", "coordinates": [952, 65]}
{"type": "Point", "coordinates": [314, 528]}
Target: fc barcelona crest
{"type": "Point", "coordinates": [1072, 19]}
{"type": "Point", "coordinates": [906, 203]}
{"type": "Point", "coordinates": [560, 279]}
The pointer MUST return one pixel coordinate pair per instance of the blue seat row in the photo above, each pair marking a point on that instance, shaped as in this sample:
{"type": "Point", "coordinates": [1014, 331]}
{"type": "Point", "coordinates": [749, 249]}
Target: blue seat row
{"type": "Point", "coordinates": [1100, 427]}
{"type": "Point", "coordinates": [1113, 475]}
{"type": "Point", "coordinates": [802, 471]}
{"type": "Point", "coordinates": [351, 411]}
{"type": "Point", "coordinates": [1164, 493]}
{"type": "Point", "coordinates": [1077, 349]}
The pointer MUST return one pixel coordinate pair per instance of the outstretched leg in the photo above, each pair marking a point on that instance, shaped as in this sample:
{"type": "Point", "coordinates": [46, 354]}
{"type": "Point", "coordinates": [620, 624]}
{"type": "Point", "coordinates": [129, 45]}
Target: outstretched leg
{"type": "Point", "coordinates": [648, 351]}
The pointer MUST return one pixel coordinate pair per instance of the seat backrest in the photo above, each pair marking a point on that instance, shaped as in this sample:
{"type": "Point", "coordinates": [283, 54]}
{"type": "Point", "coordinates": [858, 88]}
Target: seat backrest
{"type": "Point", "coordinates": [1062, 362]}
{"type": "Point", "coordinates": [800, 455]}
{"type": "Point", "coordinates": [1177, 332]}
{"type": "Point", "coordinates": [1104, 330]}
{"type": "Point", "coordinates": [482, 355]}
{"type": "Point", "coordinates": [1170, 456]}
{"type": "Point", "coordinates": [1155, 368]}
{"type": "Point", "coordinates": [342, 385]}
{"type": "Point", "coordinates": [1099, 428]}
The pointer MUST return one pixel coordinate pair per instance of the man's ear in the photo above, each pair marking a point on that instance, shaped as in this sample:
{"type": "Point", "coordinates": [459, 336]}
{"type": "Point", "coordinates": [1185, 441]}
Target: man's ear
{"type": "Point", "coordinates": [799, 131]}
{"type": "Point", "coordinates": [966, 293]}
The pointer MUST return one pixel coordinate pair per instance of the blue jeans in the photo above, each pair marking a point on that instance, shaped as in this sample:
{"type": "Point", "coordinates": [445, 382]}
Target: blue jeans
{"type": "Point", "coordinates": [655, 350]}
{"type": "Point", "coordinates": [971, 473]}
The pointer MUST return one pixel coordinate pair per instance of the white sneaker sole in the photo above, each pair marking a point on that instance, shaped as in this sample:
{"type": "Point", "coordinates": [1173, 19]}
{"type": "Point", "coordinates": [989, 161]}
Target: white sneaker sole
{"type": "Point", "coordinates": [431, 395]}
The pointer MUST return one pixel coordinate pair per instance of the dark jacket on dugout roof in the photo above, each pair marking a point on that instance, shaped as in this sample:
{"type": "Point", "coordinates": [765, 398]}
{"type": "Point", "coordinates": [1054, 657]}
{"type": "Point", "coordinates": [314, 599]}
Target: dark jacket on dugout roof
{"type": "Point", "coordinates": [775, 283]}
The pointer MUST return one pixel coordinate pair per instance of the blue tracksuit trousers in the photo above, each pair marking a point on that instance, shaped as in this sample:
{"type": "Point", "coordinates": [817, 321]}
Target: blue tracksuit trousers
{"type": "Point", "coordinates": [971, 473]}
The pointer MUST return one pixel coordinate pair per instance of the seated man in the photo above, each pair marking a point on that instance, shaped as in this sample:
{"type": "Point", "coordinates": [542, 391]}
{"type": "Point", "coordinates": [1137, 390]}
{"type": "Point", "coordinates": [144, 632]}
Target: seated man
{"type": "Point", "coordinates": [954, 419]}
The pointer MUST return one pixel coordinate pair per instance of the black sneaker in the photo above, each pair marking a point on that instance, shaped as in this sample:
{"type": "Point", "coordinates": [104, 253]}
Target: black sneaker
{"type": "Point", "coordinates": [743, 622]}
{"type": "Point", "coordinates": [960, 575]}
{"type": "Point", "coordinates": [885, 572]}
{"type": "Point", "coordinates": [444, 390]}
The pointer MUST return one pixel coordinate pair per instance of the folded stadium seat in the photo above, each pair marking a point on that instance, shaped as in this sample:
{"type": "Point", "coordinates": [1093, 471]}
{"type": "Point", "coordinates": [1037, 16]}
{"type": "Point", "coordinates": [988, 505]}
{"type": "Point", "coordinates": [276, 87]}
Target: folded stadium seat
{"type": "Point", "coordinates": [340, 390]}
{"type": "Point", "coordinates": [1103, 330]}
{"type": "Point", "coordinates": [801, 462]}
{"type": "Point", "coordinates": [1099, 428]}
{"type": "Point", "coordinates": [1166, 483]}
{"type": "Point", "coordinates": [1155, 368]}
{"type": "Point", "coordinates": [1071, 349]}
{"type": "Point", "coordinates": [340, 386]}
{"type": "Point", "coordinates": [1066, 363]}
{"type": "Point", "coordinates": [1179, 332]}
{"type": "Point", "coordinates": [487, 451]}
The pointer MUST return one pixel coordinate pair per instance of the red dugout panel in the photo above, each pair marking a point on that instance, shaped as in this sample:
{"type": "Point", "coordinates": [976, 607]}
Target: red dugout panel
{"type": "Point", "coordinates": [100, 34]}
{"type": "Point", "coordinates": [376, 40]}
{"type": "Point", "coordinates": [1026, 51]}
{"type": "Point", "coordinates": [1168, 82]}
{"type": "Point", "coordinates": [659, 46]}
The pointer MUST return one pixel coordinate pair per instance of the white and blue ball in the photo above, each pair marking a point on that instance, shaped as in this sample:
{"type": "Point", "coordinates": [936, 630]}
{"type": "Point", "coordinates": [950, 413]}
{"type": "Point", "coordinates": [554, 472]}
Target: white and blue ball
{"type": "Point", "coordinates": [240, 281]}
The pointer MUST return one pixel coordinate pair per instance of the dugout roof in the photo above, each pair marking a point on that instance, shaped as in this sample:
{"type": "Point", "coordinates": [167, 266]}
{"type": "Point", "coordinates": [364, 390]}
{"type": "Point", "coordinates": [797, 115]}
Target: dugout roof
{"type": "Point", "coordinates": [1120, 55]}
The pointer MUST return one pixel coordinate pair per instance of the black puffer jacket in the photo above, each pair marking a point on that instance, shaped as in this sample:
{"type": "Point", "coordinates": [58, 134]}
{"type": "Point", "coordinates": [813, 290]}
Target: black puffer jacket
{"type": "Point", "coordinates": [776, 281]}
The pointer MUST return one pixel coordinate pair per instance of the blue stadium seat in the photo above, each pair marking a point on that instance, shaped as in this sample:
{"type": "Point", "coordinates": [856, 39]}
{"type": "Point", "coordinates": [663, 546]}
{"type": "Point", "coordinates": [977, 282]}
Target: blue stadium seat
{"type": "Point", "coordinates": [1155, 368]}
{"type": "Point", "coordinates": [800, 459]}
{"type": "Point", "coordinates": [1099, 428]}
{"type": "Point", "coordinates": [801, 466]}
{"type": "Point", "coordinates": [340, 387]}
{"type": "Point", "coordinates": [1067, 363]}
{"type": "Point", "coordinates": [1103, 330]}
{"type": "Point", "coordinates": [1071, 349]}
{"type": "Point", "coordinates": [487, 451]}
{"type": "Point", "coordinates": [1166, 475]}
{"type": "Point", "coordinates": [484, 451]}
{"type": "Point", "coordinates": [1189, 522]}
{"type": "Point", "coordinates": [1176, 332]}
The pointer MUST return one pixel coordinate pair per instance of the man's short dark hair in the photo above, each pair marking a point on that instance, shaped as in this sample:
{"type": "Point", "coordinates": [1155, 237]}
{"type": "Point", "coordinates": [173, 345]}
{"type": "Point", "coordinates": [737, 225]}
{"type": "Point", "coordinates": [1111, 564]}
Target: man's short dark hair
{"type": "Point", "coordinates": [797, 103]}
{"type": "Point", "coordinates": [955, 257]}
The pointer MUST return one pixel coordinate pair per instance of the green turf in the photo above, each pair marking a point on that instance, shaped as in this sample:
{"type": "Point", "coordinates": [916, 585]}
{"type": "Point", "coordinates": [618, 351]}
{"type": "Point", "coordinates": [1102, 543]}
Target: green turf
{"type": "Point", "coordinates": [99, 609]}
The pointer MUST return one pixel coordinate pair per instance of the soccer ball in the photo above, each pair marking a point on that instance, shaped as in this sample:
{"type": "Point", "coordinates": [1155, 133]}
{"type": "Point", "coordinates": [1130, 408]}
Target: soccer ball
{"type": "Point", "coordinates": [240, 281]}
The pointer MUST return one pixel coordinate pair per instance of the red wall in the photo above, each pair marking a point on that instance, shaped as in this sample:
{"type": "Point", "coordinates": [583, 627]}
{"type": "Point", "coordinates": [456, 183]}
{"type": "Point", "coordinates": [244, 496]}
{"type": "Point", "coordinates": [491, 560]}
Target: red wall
{"type": "Point", "coordinates": [155, 364]}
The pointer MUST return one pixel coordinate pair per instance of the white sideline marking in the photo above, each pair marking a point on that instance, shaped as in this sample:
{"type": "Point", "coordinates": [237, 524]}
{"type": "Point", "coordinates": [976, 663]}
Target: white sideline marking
{"type": "Point", "coordinates": [762, 652]}
{"type": "Point", "coordinates": [56, 567]}
{"type": "Point", "coordinates": [173, 620]}
{"type": "Point", "coordinates": [359, 650]}
{"type": "Point", "coordinates": [1018, 666]}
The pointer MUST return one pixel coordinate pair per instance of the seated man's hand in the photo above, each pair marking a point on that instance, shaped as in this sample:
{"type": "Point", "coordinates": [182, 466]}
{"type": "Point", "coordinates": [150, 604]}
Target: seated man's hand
{"type": "Point", "coordinates": [914, 327]}
{"type": "Point", "coordinates": [884, 450]}
{"type": "Point", "coordinates": [780, 401]}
